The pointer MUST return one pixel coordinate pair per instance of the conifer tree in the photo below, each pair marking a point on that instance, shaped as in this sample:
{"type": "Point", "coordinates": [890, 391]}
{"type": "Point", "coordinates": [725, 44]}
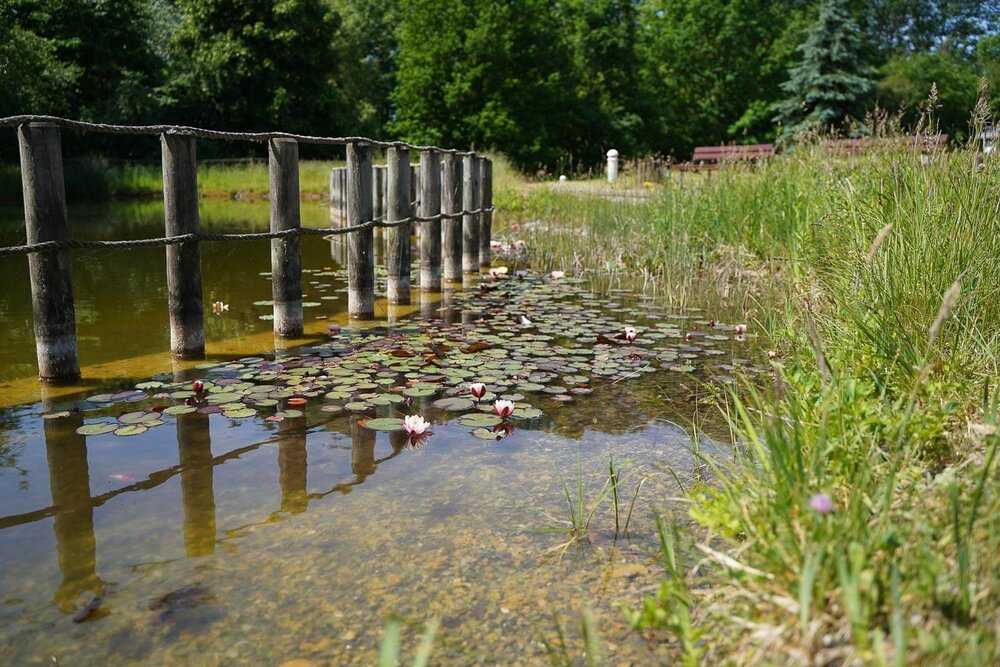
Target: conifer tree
{"type": "Point", "coordinates": [832, 83]}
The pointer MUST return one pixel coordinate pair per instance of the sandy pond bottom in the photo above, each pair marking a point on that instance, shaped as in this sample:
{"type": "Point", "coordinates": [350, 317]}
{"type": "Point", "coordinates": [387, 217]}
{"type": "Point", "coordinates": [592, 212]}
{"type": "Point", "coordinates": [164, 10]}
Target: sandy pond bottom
{"type": "Point", "coordinates": [281, 515]}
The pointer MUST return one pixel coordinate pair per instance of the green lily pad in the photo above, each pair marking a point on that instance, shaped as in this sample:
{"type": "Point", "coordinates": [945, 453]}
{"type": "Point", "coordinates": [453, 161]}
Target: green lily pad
{"type": "Point", "coordinates": [480, 419]}
{"type": "Point", "coordinates": [130, 429]}
{"type": "Point", "coordinates": [454, 404]}
{"type": "Point", "coordinates": [99, 428]}
{"type": "Point", "coordinates": [175, 410]}
{"type": "Point", "coordinates": [488, 434]}
{"type": "Point", "coordinates": [240, 413]}
{"type": "Point", "coordinates": [384, 424]}
{"type": "Point", "coordinates": [138, 417]}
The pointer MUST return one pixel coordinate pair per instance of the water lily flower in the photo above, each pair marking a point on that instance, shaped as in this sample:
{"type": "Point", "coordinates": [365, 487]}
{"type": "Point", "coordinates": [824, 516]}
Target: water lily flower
{"type": "Point", "coordinates": [630, 334]}
{"type": "Point", "coordinates": [415, 425]}
{"type": "Point", "coordinates": [556, 275]}
{"type": "Point", "coordinates": [521, 274]}
{"type": "Point", "coordinates": [503, 408]}
{"type": "Point", "coordinates": [740, 329]}
{"type": "Point", "coordinates": [498, 271]}
{"type": "Point", "coordinates": [478, 389]}
{"type": "Point", "coordinates": [523, 320]}
{"type": "Point", "coordinates": [821, 503]}
{"type": "Point", "coordinates": [218, 307]}
{"type": "Point", "coordinates": [197, 386]}
{"type": "Point", "coordinates": [688, 337]}
{"type": "Point", "coordinates": [334, 328]}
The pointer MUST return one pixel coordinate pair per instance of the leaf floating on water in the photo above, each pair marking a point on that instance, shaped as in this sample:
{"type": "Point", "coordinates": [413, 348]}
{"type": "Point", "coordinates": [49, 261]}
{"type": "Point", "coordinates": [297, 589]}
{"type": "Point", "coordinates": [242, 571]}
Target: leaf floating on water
{"type": "Point", "coordinates": [241, 413]}
{"type": "Point", "coordinates": [383, 424]}
{"type": "Point", "coordinates": [130, 429]}
{"type": "Point", "coordinates": [489, 434]}
{"type": "Point", "coordinates": [455, 404]}
{"type": "Point", "coordinates": [138, 417]}
{"type": "Point", "coordinates": [175, 410]}
{"type": "Point", "coordinates": [480, 419]}
{"type": "Point", "coordinates": [99, 428]}
{"type": "Point", "coordinates": [56, 415]}
{"type": "Point", "coordinates": [477, 347]}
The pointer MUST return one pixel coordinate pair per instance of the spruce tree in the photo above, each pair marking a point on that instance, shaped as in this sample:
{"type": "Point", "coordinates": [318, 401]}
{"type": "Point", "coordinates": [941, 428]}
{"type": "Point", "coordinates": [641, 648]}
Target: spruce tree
{"type": "Point", "coordinates": [832, 83]}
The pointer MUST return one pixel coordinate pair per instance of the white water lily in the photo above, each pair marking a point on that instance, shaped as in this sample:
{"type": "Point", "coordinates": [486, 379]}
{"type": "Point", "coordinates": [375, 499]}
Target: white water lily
{"type": "Point", "coordinates": [498, 271]}
{"type": "Point", "coordinates": [415, 425]}
{"type": "Point", "coordinates": [523, 320]}
{"type": "Point", "coordinates": [630, 334]}
{"type": "Point", "coordinates": [556, 275]}
{"type": "Point", "coordinates": [503, 408]}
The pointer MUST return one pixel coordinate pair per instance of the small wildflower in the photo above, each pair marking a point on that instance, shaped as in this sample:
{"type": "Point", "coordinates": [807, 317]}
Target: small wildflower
{"type": "Point", "coordinates": [821, 503]}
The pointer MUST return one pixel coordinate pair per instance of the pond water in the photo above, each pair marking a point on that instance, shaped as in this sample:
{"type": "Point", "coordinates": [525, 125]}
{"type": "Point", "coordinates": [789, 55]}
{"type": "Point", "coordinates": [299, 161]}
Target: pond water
{"type": "Point", "coordinates": [279, 512]}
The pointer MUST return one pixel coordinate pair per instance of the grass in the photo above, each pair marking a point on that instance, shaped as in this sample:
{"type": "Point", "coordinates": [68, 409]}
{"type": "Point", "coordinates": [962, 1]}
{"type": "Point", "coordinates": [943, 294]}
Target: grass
{"type": "Point", "coordinates": [97, 180]}
{"type": "Point", "coordinates": [875, 279]}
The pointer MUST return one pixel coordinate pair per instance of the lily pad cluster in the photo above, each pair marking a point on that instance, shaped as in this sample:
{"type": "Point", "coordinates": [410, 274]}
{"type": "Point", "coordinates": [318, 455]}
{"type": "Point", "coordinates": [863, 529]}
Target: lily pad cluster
{"type": "Point", "coordinates": [534, 342]}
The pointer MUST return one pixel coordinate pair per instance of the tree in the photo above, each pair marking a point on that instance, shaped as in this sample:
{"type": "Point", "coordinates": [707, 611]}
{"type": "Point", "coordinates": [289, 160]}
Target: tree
{"type": "Point", "coordinates": [831, 84]}
{"type": "Point", "coordinates": [907, 81]}
{"type": "Point", "coordinates": [258, 64]}
{"type": "Point", "coordinates": [489, 74]}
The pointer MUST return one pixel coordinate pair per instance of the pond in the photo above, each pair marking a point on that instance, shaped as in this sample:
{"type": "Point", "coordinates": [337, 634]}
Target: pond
{"type": "Point", "coordinates": [267, 506]}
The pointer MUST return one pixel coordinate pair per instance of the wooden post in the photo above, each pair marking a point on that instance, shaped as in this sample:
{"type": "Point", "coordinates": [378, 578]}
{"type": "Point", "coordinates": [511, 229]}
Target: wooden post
{"type": "Point", "coordinates": [45, 220]}
{"type": "Point", "coordinates": [430, 235]}
{"type": "Point", "coordinates": [398, 238]}
{"type": "Point", "coordinates": [451, 202]}
{"type": "Point", "coordinates": [378, 191]}
{"type": "Point", "coordinates": [286, 253]}
{"type": "Point", "coordinates": [470, 222]}
{"type": "Point", "coordinates": [360, 255]}
{"type": "Point", "coordinates": [486, 219]}
{"type": "Point", "coordinates": [180, 206]}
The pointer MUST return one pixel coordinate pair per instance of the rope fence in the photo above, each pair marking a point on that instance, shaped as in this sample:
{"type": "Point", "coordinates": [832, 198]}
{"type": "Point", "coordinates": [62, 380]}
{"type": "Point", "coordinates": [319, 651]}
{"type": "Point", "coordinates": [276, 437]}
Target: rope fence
{"type": "Point", "coordinates": [449, 198]}
{"type": "Point", "coordinates": [80, 244]}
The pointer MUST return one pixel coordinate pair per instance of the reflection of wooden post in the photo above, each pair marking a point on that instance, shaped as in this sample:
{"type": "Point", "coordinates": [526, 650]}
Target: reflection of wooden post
{"type": "Point", "coordinates": [293, 465]}
{"type": "Point", "coordinates": [430, 232]}
{"type": "Point", "coordinates": [362, 452]}
{"type": "Point", "coordinates": [360, 255]}
{"type": "Point", "coordinates": [45, 220]}
{"type": "Point", "coordinates": [194, 445]}
{"type": "Point", "coordinates": [180, 207]}
{"type": "Point", "coordinates": [451, 202]}
{"type": "Point", "coordinates": [470, 222]}
{"type": "Point", "coordinates": [286, 253]}
{"type": "Point", "coordinates": [449, 313]}
{"type": "Point", "coordinates": [398, 238]}
{"type": "Point", "coordinates": [429, 304]}
{"type": "Point", "coordinates": [486, 219]}
{"type": "Point", "coordinates": [73, 524]}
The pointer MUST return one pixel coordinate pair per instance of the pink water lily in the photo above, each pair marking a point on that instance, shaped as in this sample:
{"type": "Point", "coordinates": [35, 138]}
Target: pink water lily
{"type": "Point", "coordinates": [415, 425]}
{"type": "Point", "coordinates": [503, 408]}
{"type": "Point", "coordinates": [521, 274]}
{"type": "Point", "coordinates": [556, 275]}
{"type": "Point", "coordinates": [478, 389]}
{"type": "Point", "coordinates": [197, 386]}
{"type": "Point", "coordinates": [630, 334]}
{"type": "Point", "coordinates": [498, 271]}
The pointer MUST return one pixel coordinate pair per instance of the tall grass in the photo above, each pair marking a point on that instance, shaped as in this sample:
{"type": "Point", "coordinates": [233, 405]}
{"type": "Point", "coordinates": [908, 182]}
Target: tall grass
{"type": "Point", "coordinates": [876, 279]}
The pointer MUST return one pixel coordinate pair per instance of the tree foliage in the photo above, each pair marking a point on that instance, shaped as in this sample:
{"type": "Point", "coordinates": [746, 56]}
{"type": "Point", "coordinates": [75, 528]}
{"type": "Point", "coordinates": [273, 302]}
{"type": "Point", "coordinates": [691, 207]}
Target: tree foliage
{"type": "Point", "coordinates": [549, 82]}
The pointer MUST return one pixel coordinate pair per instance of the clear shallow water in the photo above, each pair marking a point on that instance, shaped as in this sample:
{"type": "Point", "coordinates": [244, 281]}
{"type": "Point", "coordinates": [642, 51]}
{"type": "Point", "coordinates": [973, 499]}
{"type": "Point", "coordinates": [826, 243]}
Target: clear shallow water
{"type": "Point", "coordinates": [212, 540]}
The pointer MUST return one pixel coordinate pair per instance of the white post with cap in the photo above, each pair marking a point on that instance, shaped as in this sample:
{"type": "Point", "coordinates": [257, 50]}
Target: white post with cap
{"type": "Point", "coordinates": [612, 165]}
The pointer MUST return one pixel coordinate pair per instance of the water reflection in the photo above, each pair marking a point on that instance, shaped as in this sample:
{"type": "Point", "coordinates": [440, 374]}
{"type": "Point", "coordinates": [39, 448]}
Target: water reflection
{"type": "Point", "coordinates": [73, 523]}
{"type": "Point", "coordinates": [293, 465]}
{"type": "Point", "coordinates": [194, 445]}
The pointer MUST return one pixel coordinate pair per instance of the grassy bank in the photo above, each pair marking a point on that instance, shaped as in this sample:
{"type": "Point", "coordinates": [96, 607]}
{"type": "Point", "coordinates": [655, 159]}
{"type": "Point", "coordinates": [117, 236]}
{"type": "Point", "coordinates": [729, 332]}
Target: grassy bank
{"type": "Point", "coordinates": [859, 519]}
{"type": "Point", "coordinates": [96, 180]}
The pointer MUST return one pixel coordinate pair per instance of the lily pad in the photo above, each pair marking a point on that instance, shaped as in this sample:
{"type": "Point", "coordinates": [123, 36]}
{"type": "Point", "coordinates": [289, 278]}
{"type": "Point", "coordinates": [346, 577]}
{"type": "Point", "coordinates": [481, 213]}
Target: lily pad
{"type": "Point", "coordinates": [130, 429]}
{"type": "Point", "coordinates": [455, 404]}
{"type": "Point", "coordinates": [99, 428]}
{"type": "Point", "coordinates": [384, 424]}
{"type": "Point", "coordinates": [175, 410]}
{"type": "Point", "coordinates": [480, 419]}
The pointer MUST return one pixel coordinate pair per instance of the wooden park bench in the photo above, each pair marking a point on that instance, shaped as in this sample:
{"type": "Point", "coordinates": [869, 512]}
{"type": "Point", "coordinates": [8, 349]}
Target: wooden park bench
{"type": "Point", "coordinates": [711, 157]}
{"type": "Point", "coordinates": [862, 145]}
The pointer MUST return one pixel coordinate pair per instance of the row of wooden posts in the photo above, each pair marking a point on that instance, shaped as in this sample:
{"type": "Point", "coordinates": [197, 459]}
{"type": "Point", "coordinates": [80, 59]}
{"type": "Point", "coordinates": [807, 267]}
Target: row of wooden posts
{"type": "Point", "coordinates": [447, 183]}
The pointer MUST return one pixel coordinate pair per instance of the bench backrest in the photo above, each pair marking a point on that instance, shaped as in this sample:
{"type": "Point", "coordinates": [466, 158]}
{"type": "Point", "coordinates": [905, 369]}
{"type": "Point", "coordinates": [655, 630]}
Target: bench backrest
{"type": "Point", "coordinates": [721, 153]}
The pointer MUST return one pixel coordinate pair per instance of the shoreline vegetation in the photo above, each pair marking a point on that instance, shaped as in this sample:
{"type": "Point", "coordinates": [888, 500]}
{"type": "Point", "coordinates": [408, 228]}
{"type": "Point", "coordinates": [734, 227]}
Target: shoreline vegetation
{"type": "Point", "coordinates": [858, 519]}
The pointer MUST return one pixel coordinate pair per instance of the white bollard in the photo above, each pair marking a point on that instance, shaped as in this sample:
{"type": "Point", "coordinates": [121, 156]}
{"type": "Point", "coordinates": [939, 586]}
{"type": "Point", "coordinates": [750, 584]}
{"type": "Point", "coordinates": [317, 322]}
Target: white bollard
{"type": "Point", "coordinates": [612, 165]}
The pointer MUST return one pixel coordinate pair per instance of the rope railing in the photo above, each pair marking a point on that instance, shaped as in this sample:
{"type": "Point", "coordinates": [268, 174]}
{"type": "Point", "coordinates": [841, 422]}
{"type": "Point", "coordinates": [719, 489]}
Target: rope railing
{"type": "Point", "coordinates": [82, 244]}
{"type": "Point", "coordinates": [222, 135]}
{"type": "Point", "coordinates": [450, 198]}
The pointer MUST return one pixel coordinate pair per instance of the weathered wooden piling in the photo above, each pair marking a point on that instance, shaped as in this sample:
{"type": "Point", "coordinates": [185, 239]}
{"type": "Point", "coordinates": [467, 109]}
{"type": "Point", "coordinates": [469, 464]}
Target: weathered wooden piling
{"type": "Point", "coordinates": [430, 232]}
{"type": "Point", "coordinates": [180, 206]}
{"type": "Point", "coordinates": [470, 221]}
{"type": "Point", "coordinates": [360, 254]}
{"type": "Point", "coordinates": [286, 253]}
{"type": "Point", "coordinates": [486, 219]}
{"type": "Point", "coordinates": [451, 202]}
{"type": "Point", "coordinates": [398, 238]}
{"type": "Point", "coordinates": [45, 220]}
